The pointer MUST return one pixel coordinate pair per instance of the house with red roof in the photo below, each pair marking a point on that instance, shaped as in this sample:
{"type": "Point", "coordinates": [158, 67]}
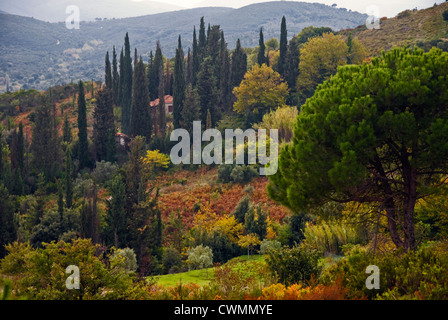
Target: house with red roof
{"type": "Point", "coordinates": [168, 101]}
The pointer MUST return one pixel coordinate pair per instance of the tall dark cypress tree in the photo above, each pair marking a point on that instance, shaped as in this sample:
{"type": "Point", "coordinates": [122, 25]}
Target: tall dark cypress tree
{"type": "Point", "coordinates": [127, 87]}
{"type": "Point", "coordinates": [121, 80]}
{"type": "Point", "coordinates": [179, 85]}
{"type": "Point", "coordinates": [239, 65]}
{"type": "Point", "coordinates": [66, 130]}
{"type": "Point", "coordinates": [207, 91]}
{"type": "Point", "coordinates": [225, 88]}
{"type": "Point", "coordinates": [195, 58]}
{"type": "Point", "coordinates": [115, 78]}
{"type": "Point", "coordinates": [161, 116]}
{"type": "Point", "coordinates": [261, 58]}
{"type": "Point", "coordinates": [116, 231]}
{"type": "Point", "coordinates": [108, 73]}
{"type": "Point", "coordinates": [283, 49]}
{"type": "Point", "coordinates": [153, 73]}
{"type": "Point", "coordinates": [83, 144]}
{"type": "Point", "coordinates": [202, 44]}
{"type": "Point", "coordinates": [140, 122]}
{"type": "Point", "coordinates": [104, 127]}
{"type": "Point", "coordinates": [45, 145]}
{"type": "Point", "coordinates": [68, 178]}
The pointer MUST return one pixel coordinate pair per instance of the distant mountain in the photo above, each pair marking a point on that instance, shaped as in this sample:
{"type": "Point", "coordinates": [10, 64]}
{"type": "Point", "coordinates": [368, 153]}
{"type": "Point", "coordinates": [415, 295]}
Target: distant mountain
{"type": "Point", "coordinates": [37, 54]}
{"type": "Point", "coordinates": [55, 10]}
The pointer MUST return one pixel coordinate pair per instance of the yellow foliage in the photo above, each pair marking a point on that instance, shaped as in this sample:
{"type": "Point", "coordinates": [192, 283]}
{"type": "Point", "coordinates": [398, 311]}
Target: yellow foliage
{"type": "Point", "coordinates": [319, 59]}
{"type": "Point", "coordinates": [261, 90]}
{"type": "Point", "coordinates": [156, 159]}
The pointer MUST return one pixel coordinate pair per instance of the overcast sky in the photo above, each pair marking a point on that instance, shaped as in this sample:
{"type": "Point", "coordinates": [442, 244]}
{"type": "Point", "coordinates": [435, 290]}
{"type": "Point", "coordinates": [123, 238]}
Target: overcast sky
{"type": "Point", "coordinates": [388, 8]}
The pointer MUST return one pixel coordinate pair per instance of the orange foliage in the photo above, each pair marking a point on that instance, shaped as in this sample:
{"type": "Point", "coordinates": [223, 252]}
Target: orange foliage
{"type": "Point", "coordinates": [333, 291]}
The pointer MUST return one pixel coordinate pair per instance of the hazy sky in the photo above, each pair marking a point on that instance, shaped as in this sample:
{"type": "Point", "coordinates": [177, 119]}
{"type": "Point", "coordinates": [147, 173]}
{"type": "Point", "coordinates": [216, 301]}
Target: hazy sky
{"type": "Point", "coordinates": [387, 8]}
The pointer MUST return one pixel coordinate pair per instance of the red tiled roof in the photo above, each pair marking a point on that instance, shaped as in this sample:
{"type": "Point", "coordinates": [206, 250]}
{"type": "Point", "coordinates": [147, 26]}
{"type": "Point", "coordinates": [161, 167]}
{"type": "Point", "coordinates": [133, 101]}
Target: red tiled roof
{"type": "Point", "coordinates": [167, 98]}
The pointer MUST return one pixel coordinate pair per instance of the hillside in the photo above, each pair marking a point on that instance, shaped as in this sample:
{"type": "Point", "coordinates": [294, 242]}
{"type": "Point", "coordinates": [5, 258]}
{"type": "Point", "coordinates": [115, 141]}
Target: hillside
{"type": "Point", "coordinates": [37, 54]}
{"type": "Point", "coordinates": [54, 10]}
{"type": "Point", "coordinates": [407, 28]}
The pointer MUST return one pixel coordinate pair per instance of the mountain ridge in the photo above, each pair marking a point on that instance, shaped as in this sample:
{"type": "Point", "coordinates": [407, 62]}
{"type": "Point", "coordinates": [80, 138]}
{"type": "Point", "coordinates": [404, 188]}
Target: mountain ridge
{"type": "Point", "coordinates": [37, 54]}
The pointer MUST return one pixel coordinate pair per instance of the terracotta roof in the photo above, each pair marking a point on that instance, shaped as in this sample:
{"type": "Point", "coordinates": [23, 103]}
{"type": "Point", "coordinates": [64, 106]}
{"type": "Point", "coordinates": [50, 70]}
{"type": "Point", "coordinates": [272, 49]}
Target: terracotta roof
{"type": "Point", "coordinates": [167, 98]}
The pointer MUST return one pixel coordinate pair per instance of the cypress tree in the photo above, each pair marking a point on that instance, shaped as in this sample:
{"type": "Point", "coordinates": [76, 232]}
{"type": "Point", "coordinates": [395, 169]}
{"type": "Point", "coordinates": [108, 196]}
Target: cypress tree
{"type": "Point", "coordinates": [68, 178]}
{"type": "Point", "coordinates": [83, 144]}
{"type": "Point", "coordinates": [45, 146]}
{"type": "Point", "coordinates": [191, 110]}
{"type": "Point", "coordinates": [283, 49]}
{"type": "Point", "coordinates": [66, 130]}
{"type": "Point", "coordinates": [140, 122]}
{"type": "Point", "coordinates": [60, 204]}
{"type": "Point", "coordinates": [153, 73]}
{"type": "Point", "coordinates": [239, 65]}
{"type": "Point", "coordinates": [115, 78]}
{"type": "Point", "coordinates": [104, 127]}
{"type": "Point", "coordinates": [261, 58]}
{"type": "Point", "coordinates": [108, 73]}
{"type": "Point", "coordinates": [116, 215]}
{"type": "Point", "coordinates": [207, 91]}
{"type": "Point", "coordinates": [195, 58]}
{"type": "Point", "coordinates": [178, 85]}
{"type": "Point", "coordinates": [121, 80]}
{"type": "Point", "coordinates": [127, 86]}
{"type": "Point", "coordinates": [225, 76]}
{"type": "Point", "coordinates": [167, 85]}
{"type": "Point", "coordinates": [202, 44]}
{"type": "Point", "coordinates": [161, 116]}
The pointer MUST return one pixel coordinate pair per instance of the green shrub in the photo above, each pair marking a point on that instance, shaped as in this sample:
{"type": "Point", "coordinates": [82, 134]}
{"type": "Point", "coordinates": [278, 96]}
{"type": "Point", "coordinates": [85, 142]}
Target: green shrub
{"type": "Point", "coordinates": [329, 237]}
{"type": "Point", "coordinates": [293, 265]}
{"type": "Point", "coordinates": [419, 274]}
{"type": "Point", "coordinates": [268, 245]}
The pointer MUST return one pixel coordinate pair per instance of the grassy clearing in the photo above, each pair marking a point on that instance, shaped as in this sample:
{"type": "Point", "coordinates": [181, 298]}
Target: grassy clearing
{"type": "Point", "coordinates": [201, 277]}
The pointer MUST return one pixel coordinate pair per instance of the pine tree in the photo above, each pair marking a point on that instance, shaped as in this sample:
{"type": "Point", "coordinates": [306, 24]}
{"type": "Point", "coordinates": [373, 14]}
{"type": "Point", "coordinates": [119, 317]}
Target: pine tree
{"type": "Point", "coordinates": [115, 78]}
{"type": "Point", "coordinates": [281, 67]}
{"type": "Point", "coordinates": [104, 127]}
{"type": "Point", "coordinates": [83, 144]}
{"type": "Point", "coordinates": [108, 73]}
{"type": "Point", "coordinates": [261, 58]}
{"type": "Point", "coordinates": [140, 124]}
{"type": "Point", "coordinates": [178, 85]}
{"type": "Point", "coordinates": [127, 87]}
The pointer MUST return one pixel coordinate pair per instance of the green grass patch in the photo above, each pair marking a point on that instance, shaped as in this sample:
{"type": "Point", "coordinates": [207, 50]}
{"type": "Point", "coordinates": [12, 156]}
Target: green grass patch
{"type": "Point", "coordinates": [201, 277]}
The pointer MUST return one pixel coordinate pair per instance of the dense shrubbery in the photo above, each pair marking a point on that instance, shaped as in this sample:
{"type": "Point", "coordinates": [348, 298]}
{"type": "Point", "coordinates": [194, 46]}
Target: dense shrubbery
{"type": "Point", "coordinates": [293, 265]}
{"type": "Point", "coordinates": [419, 274]}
